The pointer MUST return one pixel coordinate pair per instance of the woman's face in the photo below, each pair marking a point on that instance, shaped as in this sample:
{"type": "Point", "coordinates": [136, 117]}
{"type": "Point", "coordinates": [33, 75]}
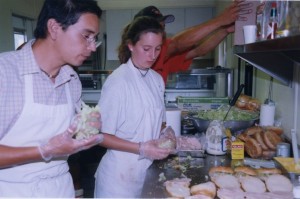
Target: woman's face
{"type": "Point", "coordinates": [145, 52]}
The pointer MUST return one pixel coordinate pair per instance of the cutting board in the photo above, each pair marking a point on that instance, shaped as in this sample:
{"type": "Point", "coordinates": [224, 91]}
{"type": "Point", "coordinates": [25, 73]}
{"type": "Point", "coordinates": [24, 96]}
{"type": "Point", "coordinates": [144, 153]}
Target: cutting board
{"type": "Point", "coordinates": [288, 164]}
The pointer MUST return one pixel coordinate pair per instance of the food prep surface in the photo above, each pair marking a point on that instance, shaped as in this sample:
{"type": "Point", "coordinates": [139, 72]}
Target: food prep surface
{"type": "Point", "coordinates": [176, 167]}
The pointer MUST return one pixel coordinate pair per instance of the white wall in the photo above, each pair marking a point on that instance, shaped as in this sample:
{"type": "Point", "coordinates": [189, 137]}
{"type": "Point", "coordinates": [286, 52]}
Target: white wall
{"type": "Point", "coordinates": [27, 8]}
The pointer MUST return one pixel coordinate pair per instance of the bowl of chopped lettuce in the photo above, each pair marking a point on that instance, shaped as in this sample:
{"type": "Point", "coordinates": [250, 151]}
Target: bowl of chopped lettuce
{"type": "Point", "coordinates": [236, 120]}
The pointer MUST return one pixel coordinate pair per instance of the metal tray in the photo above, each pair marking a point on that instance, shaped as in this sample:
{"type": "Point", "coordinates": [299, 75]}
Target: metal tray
{"type": "Point", "coordinates": [192, 153]}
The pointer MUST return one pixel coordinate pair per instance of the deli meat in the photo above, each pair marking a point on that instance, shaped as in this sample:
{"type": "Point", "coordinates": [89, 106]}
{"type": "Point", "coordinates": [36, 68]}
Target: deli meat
{"type": "Point", "coordinates": [188, 143]}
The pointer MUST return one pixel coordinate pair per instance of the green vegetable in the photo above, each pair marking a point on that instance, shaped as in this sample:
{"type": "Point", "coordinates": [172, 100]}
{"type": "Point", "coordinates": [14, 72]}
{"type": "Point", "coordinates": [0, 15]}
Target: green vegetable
{"type": "Point", "coordinates": [235, 114]}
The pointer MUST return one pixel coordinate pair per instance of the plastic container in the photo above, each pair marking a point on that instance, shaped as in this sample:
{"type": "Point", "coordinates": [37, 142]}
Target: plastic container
{"type": "Point", "coordinates": [216, 139]}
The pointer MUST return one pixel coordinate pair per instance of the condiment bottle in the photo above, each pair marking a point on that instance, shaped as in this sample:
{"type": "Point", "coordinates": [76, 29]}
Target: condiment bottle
{"type": "Point", "coordinates": [216, 138]}
{"type": "Point", "coordinates": [272, 25]}
{"type": "Point", "coordinates": [260, 21]}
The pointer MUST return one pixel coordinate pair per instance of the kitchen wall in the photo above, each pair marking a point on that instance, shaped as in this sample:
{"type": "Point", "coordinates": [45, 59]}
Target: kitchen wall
{"type": "Point", "coordinates": [27, 8]}
{"type": "Point", "coordinates": [286, 105]}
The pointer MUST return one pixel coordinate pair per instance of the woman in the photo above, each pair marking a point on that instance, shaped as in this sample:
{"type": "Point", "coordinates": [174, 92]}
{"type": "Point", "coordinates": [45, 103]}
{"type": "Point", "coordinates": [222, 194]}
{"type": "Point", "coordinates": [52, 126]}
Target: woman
{"type": "Point", "coordinates": [132, 112]}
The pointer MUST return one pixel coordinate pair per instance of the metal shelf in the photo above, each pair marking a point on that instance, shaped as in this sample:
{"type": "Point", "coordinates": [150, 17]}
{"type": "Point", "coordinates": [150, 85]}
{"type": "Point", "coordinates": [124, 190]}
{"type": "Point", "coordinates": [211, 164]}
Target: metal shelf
{"type": "Point", "coordinates": [275, 57]}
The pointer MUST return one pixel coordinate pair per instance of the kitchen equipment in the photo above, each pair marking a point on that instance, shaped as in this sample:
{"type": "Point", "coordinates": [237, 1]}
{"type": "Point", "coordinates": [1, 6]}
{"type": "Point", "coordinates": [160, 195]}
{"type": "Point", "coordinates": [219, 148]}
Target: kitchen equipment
{"type": "Point", "coordinates": [206, 82]}
{"type": "Point", "coordinates": [233, 100]}
{"type": "Point", "coordinates": [283, 149]}
{"type": "Point", "coordinates": [201, 124]}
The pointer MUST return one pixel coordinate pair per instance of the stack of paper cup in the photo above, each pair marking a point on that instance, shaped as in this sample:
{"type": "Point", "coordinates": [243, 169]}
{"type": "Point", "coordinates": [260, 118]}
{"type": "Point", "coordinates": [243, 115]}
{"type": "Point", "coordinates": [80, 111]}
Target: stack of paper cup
{"type": "Point", "coordinates": [267, 115]}
{"type": "Point", "coordinates": [173, 119]}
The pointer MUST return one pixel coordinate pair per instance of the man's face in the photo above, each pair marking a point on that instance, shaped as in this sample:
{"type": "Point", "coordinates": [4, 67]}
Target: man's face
{"type": "Point", "coordinates": [78, 42]}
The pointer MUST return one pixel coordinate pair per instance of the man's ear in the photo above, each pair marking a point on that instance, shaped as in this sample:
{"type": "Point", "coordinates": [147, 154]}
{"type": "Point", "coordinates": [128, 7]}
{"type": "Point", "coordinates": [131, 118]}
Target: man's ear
{"type": "Point", "coordinates": [53, 28]}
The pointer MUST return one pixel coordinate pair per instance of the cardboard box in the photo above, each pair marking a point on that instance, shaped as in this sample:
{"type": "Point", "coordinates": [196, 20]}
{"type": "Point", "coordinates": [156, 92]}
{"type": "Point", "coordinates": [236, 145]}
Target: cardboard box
{"type": "Point", "coordinates": [237, 150]}
{"type": "Point", "coordinates": [200, 103]}
{"type": "Point", "coordinates": [245, 19]}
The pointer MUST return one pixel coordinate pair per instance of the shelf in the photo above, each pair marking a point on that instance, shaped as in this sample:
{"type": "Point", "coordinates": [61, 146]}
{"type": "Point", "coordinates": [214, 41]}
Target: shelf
{"type": "Point", "coordinates": [275, 57]}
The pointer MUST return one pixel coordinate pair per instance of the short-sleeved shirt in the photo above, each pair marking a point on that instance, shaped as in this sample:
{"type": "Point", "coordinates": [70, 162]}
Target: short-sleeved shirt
{"type": "Point", "coordinates": [176, 63]}
{"type": "Point", "coordinates": [13, 66]}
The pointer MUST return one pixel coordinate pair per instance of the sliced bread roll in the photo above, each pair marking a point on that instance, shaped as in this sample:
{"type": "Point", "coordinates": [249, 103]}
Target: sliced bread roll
{"type": "Point", "coordinates": [219, 170]}
{"type": "Point", "coordinates": [227, 182]}
{"type": "Point", "coordinates": [178, 187]}
{"type": "Point", "coordinates": [207, 189]}
{"type": "Point", "coordinates": [253, 184]}
{"type": "Point", "coordinates": [230, 194]}
{"type": "Point", "coordinates": [278, 183]}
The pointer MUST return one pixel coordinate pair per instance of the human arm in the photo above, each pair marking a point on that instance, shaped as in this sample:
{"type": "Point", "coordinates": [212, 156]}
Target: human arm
{"type": "Point", "coordinates": [60, 145]}
{"type": "Point", "coordinates": [190, 38]}
{"type": "Point", "coordinates": [147, 149]}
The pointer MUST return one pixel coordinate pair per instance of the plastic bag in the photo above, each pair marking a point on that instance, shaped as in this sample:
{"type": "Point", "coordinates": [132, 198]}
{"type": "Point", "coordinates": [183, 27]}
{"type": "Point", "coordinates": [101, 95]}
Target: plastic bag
{"type": "Point", "coordinates": [167, 138]}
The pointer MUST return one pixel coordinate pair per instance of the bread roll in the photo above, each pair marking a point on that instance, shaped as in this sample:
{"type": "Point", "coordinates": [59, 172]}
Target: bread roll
{"type": "Point", "coordinates": [278, 183]}
{"type": "Point", "coordinates": [271, 139]}
{"type": "Point", "coordinates": [275, 129]}
{"type": "Point", "coordinates": [219, 170]}
{"type": "Point", "coordinates": [253, 105]}
{"type": "Point", "coordinates": [227, 182]}
{"type": "Point", "coordinates": [253, 148]}
{"type": "Point", "coordinates": [242, 101]}
{"type": "Point", "coordinates": [253, 184]}
{"type": "Point", "coordinates": [178, 187]}
{"type": "Point", "coordinates": [253, 130]}
{"type": "Point", "coordinates": [245, 171]}
{"type": "Point", "coordinates": [207, 189]}
{"type": "Point", "coordinates": [230, 194]}
{"type": "Point", "coordinates": [263, 173]}
{"type": "Point", "coordinates": [259, 138]}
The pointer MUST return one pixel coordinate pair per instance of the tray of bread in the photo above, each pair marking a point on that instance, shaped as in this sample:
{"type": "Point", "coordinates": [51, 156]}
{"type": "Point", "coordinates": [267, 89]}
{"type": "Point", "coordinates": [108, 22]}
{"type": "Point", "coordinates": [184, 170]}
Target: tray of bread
{"type": "Point", "coordinates": [240, 182]}
{"type": "Point", "coordinates": [261, 142]}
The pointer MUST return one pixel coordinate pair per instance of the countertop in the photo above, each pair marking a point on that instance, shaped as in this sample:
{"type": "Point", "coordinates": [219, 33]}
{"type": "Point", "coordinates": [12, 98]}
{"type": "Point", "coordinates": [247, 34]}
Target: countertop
{"type": "Point", "coordinates": [196, 169]}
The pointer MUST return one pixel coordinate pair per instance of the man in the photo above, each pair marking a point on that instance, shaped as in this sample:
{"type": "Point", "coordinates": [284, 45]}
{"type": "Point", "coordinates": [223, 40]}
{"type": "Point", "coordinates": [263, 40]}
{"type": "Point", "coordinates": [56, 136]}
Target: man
{"type": "Point", "coordinates": [39, 93]}
{"type": "Point", "coordinates": [177, 52]}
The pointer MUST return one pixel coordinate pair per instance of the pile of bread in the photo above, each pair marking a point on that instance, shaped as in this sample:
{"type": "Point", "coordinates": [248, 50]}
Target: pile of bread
{"type": "Point", "coordinates": [241, 183]}
{"type": "Point", "coordinates": [261, 142]}
{"type": "Point", "coordinates": [246, 102]}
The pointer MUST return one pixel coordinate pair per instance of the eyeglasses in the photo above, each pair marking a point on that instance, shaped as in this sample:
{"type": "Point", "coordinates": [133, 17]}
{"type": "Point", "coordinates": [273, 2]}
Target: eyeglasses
{"type": "Point", "coordinates": [92, 40]}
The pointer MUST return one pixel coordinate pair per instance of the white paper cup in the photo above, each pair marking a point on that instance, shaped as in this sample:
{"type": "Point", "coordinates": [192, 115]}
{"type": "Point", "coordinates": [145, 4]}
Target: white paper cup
{"type": "Point", "coordinates": [249, 33]}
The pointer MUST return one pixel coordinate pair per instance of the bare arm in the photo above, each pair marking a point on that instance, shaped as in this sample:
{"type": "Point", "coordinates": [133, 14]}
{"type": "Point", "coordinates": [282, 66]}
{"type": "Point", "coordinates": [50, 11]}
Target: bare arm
{"type": "Point", "coordinates": [18, 155]}
{"type": "Point", "coordinates": [190, 38]}
{"type": "Point", "coordinates": [208, 44]}
{"type": "Point", "coordinates": [113, 142]}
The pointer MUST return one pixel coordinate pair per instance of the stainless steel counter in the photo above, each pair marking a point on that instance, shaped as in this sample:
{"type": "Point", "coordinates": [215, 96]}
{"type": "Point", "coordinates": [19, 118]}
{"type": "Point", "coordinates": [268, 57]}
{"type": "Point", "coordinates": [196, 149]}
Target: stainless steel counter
{"type": "Point", "coordinates": [196, 169]}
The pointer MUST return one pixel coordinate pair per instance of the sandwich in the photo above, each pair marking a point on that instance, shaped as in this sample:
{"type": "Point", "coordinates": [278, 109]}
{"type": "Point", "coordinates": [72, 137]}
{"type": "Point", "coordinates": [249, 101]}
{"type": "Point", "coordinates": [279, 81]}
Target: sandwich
{"type": "Point", "coordinates": [253, 184]}
{"type": "Point", "coordinates": [207, 189]}
{"type": "Point", "coordinates": [178, 187]}
{"type": "Point", "coordinates": [218, 171]}
{"type": "Point", "coordinates": [278, 183]}
{"type": "Point", "coordinates": [264, 173]}
{"type": "Point", "coordinates": [244, 171]}
{"type": "Point", "coordinates": [223, 177]}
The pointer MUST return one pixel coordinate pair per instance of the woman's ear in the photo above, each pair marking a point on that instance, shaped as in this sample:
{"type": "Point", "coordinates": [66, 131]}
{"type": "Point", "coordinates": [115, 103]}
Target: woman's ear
{"type": "Point", "coordinates": [53, 28]}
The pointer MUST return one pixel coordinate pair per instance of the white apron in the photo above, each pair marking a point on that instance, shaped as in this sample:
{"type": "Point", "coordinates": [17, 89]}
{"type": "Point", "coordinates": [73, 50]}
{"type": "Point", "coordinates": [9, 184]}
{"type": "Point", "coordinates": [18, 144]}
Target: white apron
{"type": "Point", "coordinates": [36, 124]}
{"type": "Point", "coordinates": [121, 174]}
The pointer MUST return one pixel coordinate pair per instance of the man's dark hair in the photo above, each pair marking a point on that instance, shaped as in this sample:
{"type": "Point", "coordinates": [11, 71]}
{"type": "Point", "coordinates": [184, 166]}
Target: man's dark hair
{"type": "Point", "coordinates": [65, 12]}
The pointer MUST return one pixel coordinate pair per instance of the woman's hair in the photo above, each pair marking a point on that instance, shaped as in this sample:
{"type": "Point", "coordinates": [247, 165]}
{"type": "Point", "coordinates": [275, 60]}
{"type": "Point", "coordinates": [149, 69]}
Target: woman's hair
{"type": "Point", "coordinates": [132, 33]}
{"type": "Point", "coordinates": [65, 12]}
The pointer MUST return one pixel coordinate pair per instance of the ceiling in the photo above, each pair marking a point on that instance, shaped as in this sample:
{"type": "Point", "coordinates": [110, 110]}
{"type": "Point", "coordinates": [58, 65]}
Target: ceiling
{"type": "Point", "coordinates": [137, 4]}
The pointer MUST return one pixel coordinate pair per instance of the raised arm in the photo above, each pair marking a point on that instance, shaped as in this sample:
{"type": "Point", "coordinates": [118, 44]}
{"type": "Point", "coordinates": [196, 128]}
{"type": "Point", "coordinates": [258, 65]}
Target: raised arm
{"type": "Point", "coordinates": [189, 39]}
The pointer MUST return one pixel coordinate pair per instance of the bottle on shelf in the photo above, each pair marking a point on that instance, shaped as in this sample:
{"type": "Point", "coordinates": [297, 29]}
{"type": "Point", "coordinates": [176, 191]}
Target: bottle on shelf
{"type": "Point", "coordinates": [273, 22]}
{"type": "Point", "coordinates": [260, 21]}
